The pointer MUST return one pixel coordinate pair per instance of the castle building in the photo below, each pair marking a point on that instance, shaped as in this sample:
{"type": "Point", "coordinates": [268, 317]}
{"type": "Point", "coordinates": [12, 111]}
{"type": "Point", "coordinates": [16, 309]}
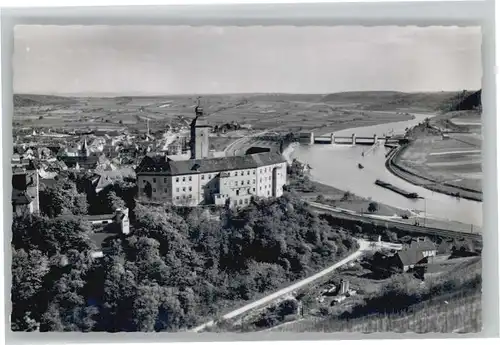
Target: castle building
{"type": "Point", "coordinates": [201, 180]}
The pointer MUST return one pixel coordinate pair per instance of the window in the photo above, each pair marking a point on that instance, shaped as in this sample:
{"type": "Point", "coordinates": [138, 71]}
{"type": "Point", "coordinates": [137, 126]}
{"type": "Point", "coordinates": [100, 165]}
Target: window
{"type": "Point", "coordinates": [237, 192]}
{"type": "Point", "coordinates": [241, 202]}
{"type": "Point", "coordinates": [260, 188]}
{"type": "Point", "coordinates": [190, 196]}
{"type": "Point", "coordinates": [253, 172]}
{"type": "Point", "coordinates": [248, 181]}
{"type": "Point", "coordinates": [165, 180]}
{"type": "Point", "coordinates": [166, 190]}
{"type": "Point", "coordinates": [183, 189]}
{"type": "Point", "coordinates": [177, 197]}
{"type": "Point", "coordinates": [260, 180]}
{"type": "Point", "coordinates": [235, 173]}
{"type": "Point", "coordinates": [235, 202]}
{"type": "Point", "coordinates": [242, 173]}
{"type": "Point", "coordinates": [253, 181]}
{"type": "Point", "coordinates": [154, 179]}
{"type": "Point", "coordinates": [242, 183]}
{"type": "Point", "coordinates": [183, 179]}
{"type": "Point", "coordinates": [190, 189]}
{"type": "Point", "coordinates": [268, 193]}
{"type": "Point", "coordinates": [248, 172]}
{"type": "Point", "coordinates": [177, 190]}
{"type": "Point", "coordinates": [254, 189]}
{"type": "Point", "coordinates": [190, 178]}
{"type": "Point", "coordinates": [154, 190]}
{"type": "Point", "coordinates": [202, 177]}
{"type": "Point", "coordinates": [176, 179]}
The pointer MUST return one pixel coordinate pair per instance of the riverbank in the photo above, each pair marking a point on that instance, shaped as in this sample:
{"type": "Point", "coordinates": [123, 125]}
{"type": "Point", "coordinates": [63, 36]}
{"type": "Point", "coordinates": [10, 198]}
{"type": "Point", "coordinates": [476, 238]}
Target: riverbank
{"type": "Point", "coordinates": [344, 199]}
{"type": "Point", "coordinates": [395, 167]}
{"type": "Point", "coordinates": [444, 155]}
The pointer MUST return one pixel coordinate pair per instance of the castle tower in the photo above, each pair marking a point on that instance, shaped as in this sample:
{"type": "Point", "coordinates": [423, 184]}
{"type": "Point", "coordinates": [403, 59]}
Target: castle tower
{"type": "Point", "coordinates": [200, 130]}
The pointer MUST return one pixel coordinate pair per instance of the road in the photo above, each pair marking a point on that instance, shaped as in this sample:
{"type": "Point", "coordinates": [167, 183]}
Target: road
{"type": "Point", "coordinates": [390, 222]}
{"type": "Point", "coordinates": [363, 246]}
{"type": "Point", "coordinates": [233, 146]}
{"type": "Point", "coordinates": [230, 150]}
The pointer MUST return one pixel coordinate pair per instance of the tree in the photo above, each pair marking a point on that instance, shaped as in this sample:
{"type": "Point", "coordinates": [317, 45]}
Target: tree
{"type": "Point", "coordinates": [373, 207]}
{"type": "Point", "coordinates": [114, 201]}
{"type": "Point", "coordinates": [51, 236]}
{"type": "Point", "coordinates": [146, 307]}
{"type": "Point", "coordinates": [62, 198]}
{"type": "Point", "coordinates": [28, 272]}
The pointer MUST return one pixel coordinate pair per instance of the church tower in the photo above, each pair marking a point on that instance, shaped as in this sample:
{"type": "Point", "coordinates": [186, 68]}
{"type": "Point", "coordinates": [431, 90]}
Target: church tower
{"type": "Point", "coordinates": [85, 152]}
{"type": "Point", "coordinates": [200, 130]}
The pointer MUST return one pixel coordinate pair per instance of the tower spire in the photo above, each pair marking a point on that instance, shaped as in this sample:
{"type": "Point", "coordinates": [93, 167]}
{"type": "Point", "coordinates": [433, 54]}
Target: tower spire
{"type": "Point", "coordinates": [198, 110]}
{"type": "Point", "coordinates": [85, 148]}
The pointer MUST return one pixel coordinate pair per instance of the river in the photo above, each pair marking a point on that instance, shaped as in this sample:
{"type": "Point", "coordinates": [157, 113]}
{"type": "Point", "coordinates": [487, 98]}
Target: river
{"type": "Point", "coordinates": [337, 166]}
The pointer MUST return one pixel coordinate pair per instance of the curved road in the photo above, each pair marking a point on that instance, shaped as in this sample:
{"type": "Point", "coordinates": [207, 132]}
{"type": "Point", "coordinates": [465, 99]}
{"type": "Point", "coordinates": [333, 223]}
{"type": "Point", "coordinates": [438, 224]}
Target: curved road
{"type": "Point", "coordinates": [363, 246]}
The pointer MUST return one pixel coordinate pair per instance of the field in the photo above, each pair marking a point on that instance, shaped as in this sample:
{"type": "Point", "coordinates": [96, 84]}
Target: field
{"type": "Point", "coordinates": [452, 161]}
{"type": "Point", "coordinates": [282, 112]}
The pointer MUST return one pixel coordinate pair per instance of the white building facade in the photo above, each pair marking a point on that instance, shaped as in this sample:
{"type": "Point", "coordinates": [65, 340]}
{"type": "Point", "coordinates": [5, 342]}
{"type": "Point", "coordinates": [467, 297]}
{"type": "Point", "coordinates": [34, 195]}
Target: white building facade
{"type": "Point", "coordinates": [219, 181]}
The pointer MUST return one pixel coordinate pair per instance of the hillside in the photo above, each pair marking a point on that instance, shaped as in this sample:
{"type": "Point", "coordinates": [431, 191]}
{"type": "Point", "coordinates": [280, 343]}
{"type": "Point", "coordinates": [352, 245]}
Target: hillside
{"type": "Point", "coordinates": [21, 100]}
{"type": "Point", "coordinates": [389, 100]}
{"type": "Point", "coordinates": [469, 102]}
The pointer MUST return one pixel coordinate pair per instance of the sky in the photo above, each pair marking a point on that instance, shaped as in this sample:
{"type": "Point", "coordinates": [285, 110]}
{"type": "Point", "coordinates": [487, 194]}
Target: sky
{"type": "Point", "coordinates": [162, 60]}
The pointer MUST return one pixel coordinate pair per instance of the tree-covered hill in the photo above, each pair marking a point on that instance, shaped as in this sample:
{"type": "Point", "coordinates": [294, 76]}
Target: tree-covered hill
{"type": "Point", "coordinates": [178, 268]}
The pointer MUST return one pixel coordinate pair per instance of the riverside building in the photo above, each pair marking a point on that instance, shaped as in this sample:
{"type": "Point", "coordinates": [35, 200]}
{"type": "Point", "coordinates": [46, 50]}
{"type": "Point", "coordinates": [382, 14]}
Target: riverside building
{"type": "Point", "coordinates": [202, 180]}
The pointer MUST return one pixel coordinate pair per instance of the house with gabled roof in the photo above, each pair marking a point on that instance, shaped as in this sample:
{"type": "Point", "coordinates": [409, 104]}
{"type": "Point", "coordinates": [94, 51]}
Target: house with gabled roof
{"type": "Point", "coordinates": [416, 253]}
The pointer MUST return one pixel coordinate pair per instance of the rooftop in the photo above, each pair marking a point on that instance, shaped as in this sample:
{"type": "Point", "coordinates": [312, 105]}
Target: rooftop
{"type": "Point", "coordinates": [161, 164]}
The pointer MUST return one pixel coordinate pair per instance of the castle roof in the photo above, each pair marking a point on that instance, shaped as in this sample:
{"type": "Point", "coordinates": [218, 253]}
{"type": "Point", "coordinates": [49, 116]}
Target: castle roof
{"type": "Point", "coordinates": [163, 165]}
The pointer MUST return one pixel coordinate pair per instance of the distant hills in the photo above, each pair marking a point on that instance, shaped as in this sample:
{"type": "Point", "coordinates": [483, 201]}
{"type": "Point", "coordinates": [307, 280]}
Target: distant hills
{"type": "Point", "coordinates": [369, 100]}
{"type": "Point", "coordinates": [21, 100]}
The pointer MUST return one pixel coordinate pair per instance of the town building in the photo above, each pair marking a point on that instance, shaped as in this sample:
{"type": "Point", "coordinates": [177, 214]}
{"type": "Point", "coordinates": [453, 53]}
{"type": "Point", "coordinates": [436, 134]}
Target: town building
{"type": "Point", "coordinates": [108, 227]}
{"type": "Point", "coordinates": [25, 189]}
{"type": "Point", "coordinates": [232, 181]}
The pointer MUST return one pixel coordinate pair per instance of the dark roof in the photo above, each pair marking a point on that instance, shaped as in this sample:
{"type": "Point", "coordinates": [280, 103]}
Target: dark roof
{"type": "Point", "coordinates": [101, 237]}
{"type": "Point", "coordinates": [94, 217]}
{"type": "Point", "coordinates": [410, 257]}
{"type": "Point", "coordinates": [20, 198]}
{"type": "Point", "coordinates": [48, 181]}
{"type": "Point", "coordinates": [84, 162]}
{"type": "Point", "coordinates": [413, 254]}
{"type": "Point", "coordinates": [170, 167]}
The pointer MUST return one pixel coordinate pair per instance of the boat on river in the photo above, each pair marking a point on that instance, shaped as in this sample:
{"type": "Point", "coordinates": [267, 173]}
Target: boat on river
{"type": "Point", "coordinates": [360, 166]}
{"type": "Point", "coordinates": [396, 189]}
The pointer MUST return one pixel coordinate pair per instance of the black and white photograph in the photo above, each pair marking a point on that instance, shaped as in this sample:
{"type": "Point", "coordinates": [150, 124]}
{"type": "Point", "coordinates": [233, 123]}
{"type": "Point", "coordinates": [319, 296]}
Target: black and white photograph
{"type": "Point", "coordinates": [238, 179]}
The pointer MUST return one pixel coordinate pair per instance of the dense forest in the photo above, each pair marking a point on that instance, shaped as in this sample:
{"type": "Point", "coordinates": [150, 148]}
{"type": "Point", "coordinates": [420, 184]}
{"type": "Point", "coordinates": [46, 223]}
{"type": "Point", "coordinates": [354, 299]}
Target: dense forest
{"type": "Point", "coordinates": [176, 269]}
